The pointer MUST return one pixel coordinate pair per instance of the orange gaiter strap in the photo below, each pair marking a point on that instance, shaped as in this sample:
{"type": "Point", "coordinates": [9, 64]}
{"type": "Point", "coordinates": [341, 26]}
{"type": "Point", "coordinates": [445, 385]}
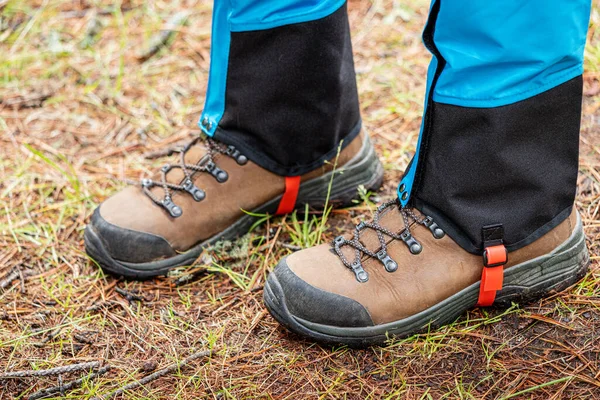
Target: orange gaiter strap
{"type": "Point", "coordinates": [288, 201]}
{"type": "Point", "coordinates": [495, 256]}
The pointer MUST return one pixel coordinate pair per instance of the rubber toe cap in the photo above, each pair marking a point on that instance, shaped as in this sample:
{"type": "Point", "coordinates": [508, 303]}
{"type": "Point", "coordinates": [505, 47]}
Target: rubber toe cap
{"type": "Point", "coordinates": [304, 301]}
{"type": "Point", "coordinates": [127, 245]}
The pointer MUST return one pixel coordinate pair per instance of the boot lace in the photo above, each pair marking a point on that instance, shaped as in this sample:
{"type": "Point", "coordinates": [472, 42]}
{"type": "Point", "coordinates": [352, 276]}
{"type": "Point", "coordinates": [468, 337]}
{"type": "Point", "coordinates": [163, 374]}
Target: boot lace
{"type": "Point", "coordinates": [206, 164]}
{"type": "Point", "coordinates": [381, 254]}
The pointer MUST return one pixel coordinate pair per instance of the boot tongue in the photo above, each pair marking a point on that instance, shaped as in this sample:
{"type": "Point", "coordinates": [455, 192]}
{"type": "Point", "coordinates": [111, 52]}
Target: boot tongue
{"type": "Point", "coordinates": [196, 152]}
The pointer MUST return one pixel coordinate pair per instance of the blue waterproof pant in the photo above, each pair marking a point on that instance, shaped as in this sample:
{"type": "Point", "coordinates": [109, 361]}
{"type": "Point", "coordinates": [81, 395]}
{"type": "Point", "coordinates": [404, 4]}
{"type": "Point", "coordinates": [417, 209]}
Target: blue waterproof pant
{"type": "Point", "coordinates": [499, 138]}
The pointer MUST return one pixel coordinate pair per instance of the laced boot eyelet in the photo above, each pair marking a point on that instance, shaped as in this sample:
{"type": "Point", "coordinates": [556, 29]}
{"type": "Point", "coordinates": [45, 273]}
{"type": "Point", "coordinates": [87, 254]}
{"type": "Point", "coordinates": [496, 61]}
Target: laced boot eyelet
{"type": "Point", "coordinates": [387, 261]}
{"type": "Point", "coordinates": [338, 241]}
{"type": "Point", "coordinates": [241, 159]}
{"type": "Point", "coordinates": [147, 183]}
{"type": "Point", "coordinates": [413, 245]}
{"type": "Point", "coordinates": [235, 153]}
{"type": "Point", "coordinates": [436, 231]}
{"type": "Point", "coordinates": [197, 193]}
{"type": "Point", "coordinates": [220, 175]}
{"type": "Point", "coordinates": [165, 168]}
{"type": "Point", "coordinates": [172, 208]}
{"type": "Point", "coordinates": [359, 272]}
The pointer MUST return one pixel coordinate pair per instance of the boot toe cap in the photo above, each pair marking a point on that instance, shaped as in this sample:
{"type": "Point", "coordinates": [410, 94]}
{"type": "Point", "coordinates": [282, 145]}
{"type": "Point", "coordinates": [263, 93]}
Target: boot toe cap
{"type": "Point", "coordinates": [124, 244]}
{"type": "Point", "coordinates": [292, 297]}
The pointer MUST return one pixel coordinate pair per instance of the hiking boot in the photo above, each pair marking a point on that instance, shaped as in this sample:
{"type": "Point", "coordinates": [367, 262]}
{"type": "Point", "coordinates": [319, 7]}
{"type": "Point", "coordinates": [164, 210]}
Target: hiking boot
{"type": "Point", "coordinates": [398, 274]}
{"type": "Point", "coordinates": [166, 222]}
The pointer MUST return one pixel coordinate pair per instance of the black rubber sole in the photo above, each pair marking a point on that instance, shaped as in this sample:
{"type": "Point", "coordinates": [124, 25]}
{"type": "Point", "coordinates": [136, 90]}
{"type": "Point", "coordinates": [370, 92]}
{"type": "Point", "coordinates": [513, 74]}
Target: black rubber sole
{"type": "Point", "coordinates": [523, 283]}
{"type": "Point", "coordinates": [365, 169]}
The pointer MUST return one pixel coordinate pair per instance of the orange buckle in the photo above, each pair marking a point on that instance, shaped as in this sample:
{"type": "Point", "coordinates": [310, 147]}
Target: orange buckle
{"type": "Point", "coordinates": [495, 256]}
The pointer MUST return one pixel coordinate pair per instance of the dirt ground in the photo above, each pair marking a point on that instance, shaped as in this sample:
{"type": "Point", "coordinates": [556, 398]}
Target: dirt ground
{"type": "Point", "coordinates": [87, 98]}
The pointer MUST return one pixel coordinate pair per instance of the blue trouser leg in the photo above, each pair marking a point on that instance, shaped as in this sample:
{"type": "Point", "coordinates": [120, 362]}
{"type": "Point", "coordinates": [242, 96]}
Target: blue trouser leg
{"type": "Point", "coordinates": [282, 86]}
{"type": "Point", "coordinates": [499, 139]}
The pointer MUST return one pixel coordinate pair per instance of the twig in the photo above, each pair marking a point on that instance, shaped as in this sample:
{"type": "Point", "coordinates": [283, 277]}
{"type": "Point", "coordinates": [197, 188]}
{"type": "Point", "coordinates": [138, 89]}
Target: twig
{"type": "Point", "coordinates": [93, 28]}
{"type": "Point", "coordinates": [51, 335]}
{"type": "Point", "coordinates": [164, 36]}
{"type": "Point", "coordinates": [155, 375]}
{"type": "Point", "coordinates": [16, 273]}
{"type": "Point", "coordinates": [9, 278]}
{"type": "Point", "coordinates": [69, 385]}
{"type": "Point", "coordinates": [190, 277]}
{"type": "Point", "coordinates": [61, 386]}
{"type": "Point", "coordinates": [52, 371]}
{"type": "Point", "coordinates": [168, 151]}
{"type": "Point", "coordinates": [8, 27]}
{"type": "Point", "coordinates": [83, 13]}
{"type": "Point", "coordinates": [257, 288]}
{"type": "Point", "coordinates": [105, 304]}
{"type": "Point", "coordinates": [32, 100]}
{"type": "Point", "coordinates": [82, 338]}
{"type": "Point", "coordinates": [292, 247]}
{"type": "Point", "coordinates": [129, 296]}
{"type": "Point", "coordinates": [22, 280]}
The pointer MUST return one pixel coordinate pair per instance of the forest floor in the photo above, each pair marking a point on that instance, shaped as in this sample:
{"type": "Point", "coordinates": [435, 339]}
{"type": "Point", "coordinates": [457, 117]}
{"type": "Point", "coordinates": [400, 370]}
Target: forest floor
{"type": "Point", "coordinates": [85, 96]}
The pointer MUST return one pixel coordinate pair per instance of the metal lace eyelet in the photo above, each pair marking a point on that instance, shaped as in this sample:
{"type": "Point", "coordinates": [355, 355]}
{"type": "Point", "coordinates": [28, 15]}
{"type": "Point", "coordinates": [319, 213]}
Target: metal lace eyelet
{"type": "Point", "coordinates": [436, 231]}
{"type": "Point", "coordinates": [197, 193]}
{"type": "Point", "coordinates": [241, 159]}
{"type": "Point", "coordinates": [359, 272]}
{"type": "Point", "coordinates": [387, 261]}
{"type": "Point", "coordinates": [413, 245]}
{"type": "Point", "coordinates": [235, 153]}
{"type": "Point", "coordinates": [339, 240]}
{"type": "Point", "coordinates": [220, 175]}
{"type": "Point", "coordinates": [172, 208]}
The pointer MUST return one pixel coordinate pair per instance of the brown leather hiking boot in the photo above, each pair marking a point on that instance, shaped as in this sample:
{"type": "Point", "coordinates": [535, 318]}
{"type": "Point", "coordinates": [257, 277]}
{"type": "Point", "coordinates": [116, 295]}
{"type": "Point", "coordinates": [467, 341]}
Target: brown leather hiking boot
{"type": "Point", "coordinates": [399, 273]}
{"type": "Point", "coordinates": [146, 230]}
